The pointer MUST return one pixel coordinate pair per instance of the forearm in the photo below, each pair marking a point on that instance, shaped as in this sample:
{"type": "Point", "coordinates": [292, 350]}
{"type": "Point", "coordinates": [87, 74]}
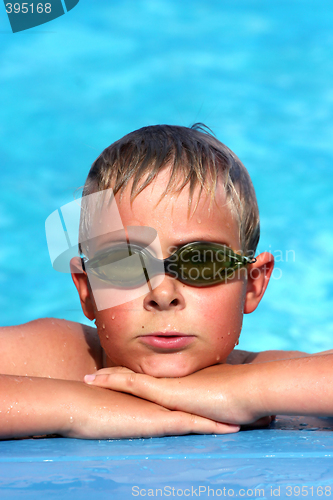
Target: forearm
{"type": "Point", "coordinates": [301, 386]}
{"type": "Point", "coordinates": [239, 394]}
{"type": "Point", "coordinates": [35, 406]}
{"type": "Point", "coordinates": [32, 406]}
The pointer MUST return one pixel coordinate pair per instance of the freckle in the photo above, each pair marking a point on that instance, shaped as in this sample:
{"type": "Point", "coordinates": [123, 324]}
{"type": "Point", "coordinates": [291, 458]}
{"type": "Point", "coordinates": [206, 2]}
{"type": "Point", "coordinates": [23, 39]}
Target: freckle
{"type": "Point", "coordinates": [143, 327]}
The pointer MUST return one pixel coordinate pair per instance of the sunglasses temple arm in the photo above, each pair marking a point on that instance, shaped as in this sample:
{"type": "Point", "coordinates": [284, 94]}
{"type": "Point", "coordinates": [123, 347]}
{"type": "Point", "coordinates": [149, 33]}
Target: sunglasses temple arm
{"type": "Point", "coordinates": [83, 265]}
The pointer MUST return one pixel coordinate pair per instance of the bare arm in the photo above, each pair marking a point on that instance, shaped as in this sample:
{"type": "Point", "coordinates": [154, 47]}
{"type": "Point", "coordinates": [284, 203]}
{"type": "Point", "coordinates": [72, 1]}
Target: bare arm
{"type": "Point", "coordinates": [300, 386]}
{"type": "Point", "coordinates": [34, 406]}
{"type": "Point", "coordinates": [239, 394]}
{"type": "Point", "coordinates": [41, 390]}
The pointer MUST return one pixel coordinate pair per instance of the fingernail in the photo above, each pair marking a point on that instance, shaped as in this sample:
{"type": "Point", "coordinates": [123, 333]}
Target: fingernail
{"type": "Point", "coordinates": [90, 377]}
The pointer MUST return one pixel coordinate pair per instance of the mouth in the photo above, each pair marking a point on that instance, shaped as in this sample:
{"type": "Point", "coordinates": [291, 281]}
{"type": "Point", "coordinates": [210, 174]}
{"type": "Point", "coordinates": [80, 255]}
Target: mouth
{"type": "Point", "coordinates": [167, 340]}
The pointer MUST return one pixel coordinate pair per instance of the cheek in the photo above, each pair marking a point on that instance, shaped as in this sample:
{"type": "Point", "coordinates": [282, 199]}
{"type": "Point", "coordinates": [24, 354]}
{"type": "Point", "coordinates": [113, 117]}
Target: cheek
{"type": "Point", "coordinates": [113, 324]}
{"type": "Point", "coordinates": [221, 308]}
{"type": "Point", "coordinates": [115, 316]}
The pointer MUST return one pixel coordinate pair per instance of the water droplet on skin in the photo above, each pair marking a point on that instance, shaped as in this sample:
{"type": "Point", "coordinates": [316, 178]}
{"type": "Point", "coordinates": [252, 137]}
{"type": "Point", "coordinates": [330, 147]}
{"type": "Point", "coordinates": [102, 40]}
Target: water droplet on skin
{"type": "Point", "coordinates": [228, 333]}
{"type": "Point", "coordinates": [71, 419]}
{"type": "Point", "coordinates": [237, 342]}
{"type": "Point", "coordinates": [199, 221]}
{"type": "Point", "coordinates": [112, 317]}
{"type": "Point", "coordinates": [217, 358]}
{"type": "Point", "coordinates": [69, 327]}
{"type": "Point", "coordinates": [106, 336]}
{"type": "Point", "coordinates": [103, 326]}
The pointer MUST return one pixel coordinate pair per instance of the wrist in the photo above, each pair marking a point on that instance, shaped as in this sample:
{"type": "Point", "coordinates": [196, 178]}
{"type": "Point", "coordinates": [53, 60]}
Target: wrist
{"type": "Point", "coordinates": [58, 404]}
{"type": "Point", "coordinates": [77, 410]}
{"type": "Point", "coordinates": [257, 400]}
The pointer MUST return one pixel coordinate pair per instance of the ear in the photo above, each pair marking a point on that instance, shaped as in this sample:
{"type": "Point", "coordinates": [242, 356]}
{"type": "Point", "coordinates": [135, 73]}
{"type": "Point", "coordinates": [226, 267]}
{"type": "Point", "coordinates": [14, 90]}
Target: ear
{"type": "Point", "coordinates": [258, 275]}
{"type": "Point", "coordinates": [81, 282]}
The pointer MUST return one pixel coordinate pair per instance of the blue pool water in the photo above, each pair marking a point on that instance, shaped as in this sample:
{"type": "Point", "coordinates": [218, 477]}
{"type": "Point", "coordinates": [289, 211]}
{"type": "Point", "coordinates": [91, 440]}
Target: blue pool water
{"type": "Point", "coordinates": [258, 72]}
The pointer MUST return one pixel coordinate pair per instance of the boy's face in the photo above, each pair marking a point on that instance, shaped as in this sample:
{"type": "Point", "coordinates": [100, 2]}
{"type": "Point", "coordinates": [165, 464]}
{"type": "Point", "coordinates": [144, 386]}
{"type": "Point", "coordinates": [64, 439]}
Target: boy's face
{"type": "Point", "coordinates": [175, 329]}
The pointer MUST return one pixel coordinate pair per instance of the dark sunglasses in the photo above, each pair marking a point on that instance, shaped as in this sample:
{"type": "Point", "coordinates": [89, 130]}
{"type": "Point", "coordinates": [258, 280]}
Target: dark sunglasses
{"type": "Point", "coordinates": [199, 263]}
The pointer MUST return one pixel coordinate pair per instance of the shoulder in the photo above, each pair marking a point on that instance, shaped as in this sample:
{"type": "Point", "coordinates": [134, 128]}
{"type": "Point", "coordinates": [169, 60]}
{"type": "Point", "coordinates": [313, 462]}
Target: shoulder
{"type": "Point", "coordinates": [50, 347]}
{"type": "Point", "coordinates": [238, 357]}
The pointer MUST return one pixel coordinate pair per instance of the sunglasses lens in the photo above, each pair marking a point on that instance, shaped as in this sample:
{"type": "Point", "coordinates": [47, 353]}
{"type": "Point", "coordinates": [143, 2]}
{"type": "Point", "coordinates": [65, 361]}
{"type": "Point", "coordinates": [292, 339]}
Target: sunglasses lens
{"type": "Point", "coordinates": [205, 264]}
{"type": "Point", "coordinates": [118, 267]}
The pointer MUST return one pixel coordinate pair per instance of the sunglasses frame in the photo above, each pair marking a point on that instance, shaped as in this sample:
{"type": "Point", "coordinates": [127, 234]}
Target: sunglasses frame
{"type": "Point", "coordinates": [154, 263]}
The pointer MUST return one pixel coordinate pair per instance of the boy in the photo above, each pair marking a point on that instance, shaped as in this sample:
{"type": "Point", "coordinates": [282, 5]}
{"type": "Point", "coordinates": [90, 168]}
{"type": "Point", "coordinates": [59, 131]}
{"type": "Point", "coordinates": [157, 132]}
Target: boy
{"type": "Point", "coordinates": [171, 347]}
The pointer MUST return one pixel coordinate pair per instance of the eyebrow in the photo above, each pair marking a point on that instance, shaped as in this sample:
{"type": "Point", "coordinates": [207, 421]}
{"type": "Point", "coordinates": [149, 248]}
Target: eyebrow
{"type": "Point", "coordinates": [185, 241]}
{"type": "Point", "coordinates": [115, 238]}
{"type": "Point", "coordinates": [208, 240]}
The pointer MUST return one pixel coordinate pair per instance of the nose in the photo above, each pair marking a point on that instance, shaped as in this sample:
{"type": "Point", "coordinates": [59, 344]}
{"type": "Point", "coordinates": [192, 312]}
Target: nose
{"type": "Point", "coordinates": [166, 296]}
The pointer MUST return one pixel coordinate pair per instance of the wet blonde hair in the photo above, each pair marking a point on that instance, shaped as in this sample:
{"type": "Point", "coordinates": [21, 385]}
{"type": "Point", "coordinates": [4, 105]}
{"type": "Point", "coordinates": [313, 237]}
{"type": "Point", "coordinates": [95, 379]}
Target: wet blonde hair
{"type": "Point", "coordinates": [195, 157]}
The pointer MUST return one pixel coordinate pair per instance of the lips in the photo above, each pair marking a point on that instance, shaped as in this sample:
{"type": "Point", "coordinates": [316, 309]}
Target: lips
{"type": "Point", "coordinates": [167, 340]}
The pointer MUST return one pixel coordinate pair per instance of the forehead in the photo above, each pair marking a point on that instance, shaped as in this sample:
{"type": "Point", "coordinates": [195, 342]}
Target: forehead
{"type": "Point", "coordinates": [169, 214]}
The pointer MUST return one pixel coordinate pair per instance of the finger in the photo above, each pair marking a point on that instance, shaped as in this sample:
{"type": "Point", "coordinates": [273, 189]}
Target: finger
{"type": "Point", "coordinates": [172, 424]}
{"type": "Point", "coordinates": [180, 423]}
{"type": "Point", "coordinates": [113, 369]}
{"type": "Point", "coordinates": [89, 378]}
{"type": "Point", "coordinates": [137, 384]}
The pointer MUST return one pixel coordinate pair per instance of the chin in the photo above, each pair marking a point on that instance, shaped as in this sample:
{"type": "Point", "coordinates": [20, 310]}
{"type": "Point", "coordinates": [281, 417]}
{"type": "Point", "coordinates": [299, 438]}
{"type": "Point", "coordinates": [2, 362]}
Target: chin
{"type": "Point", "coordinates": [167, 371]}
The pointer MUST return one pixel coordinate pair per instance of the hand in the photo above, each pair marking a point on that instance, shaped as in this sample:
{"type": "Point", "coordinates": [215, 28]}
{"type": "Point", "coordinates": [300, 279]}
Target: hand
{"type": "Point", "coordinates": [105, 414]}
{"type": "Point", "coordinates": [222, 393]}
